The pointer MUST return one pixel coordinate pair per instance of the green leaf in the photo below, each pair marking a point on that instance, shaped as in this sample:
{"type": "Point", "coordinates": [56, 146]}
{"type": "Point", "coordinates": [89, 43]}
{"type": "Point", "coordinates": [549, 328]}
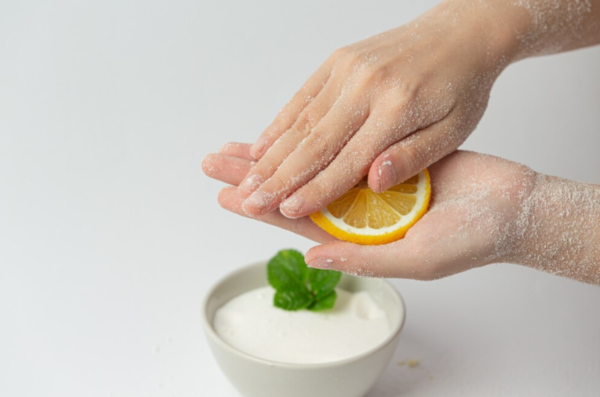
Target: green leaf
{"type": "Point", "coordinates": [299, 287]}
{"type": "Point", "coordinates": [293, 299]}
{"type": "Point", "coordinates": [323, 282]}
{"type": "Point", "coordinates": [286, 270]}
{"type": "Point", "coordinates": [327, 302]}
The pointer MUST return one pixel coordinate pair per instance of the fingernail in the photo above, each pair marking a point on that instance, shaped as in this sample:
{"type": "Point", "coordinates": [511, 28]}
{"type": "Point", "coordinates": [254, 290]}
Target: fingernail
{"type": "Point", "coordinates": [258, 200]}
{"type": "Point", "coordinates": [387, 175]}
{"type": "Point", "coordinates": [321, 263]}
{"type": "Point", "coordinates": [251, 183]}
{"type": "Point", "coordinates": [293, 205]}
{"type": "Point", "coordinates": [259, 147]}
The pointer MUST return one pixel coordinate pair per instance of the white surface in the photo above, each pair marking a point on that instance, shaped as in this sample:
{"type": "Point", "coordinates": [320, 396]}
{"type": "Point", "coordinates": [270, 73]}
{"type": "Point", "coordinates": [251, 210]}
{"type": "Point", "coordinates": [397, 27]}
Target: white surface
{"type": "Point", "coordinates": [110, 235]}
{"type": "Point", "coordinates": [252, 324]}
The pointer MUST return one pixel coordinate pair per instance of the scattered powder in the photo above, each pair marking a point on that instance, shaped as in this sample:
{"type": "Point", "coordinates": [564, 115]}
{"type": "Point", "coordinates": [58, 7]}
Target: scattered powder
{"type": "Point", "coordinates": [560, 222]}
{"type": "Point", "coordinates": [361, 271]}
{"type": "Point", "coordinates": [412, 363]}
{"type": "Point", "coordinates": [253, 325]}
{"type": "Point", "coordinates": [557, 25]}
{"type": "Point", "coordinates": [514, 215]}
{"type": "Point", "coordinates": [385, 163]}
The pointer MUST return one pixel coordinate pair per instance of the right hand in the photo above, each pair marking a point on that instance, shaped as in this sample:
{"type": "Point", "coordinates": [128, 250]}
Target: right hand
{"type": "Point", "coordinates": [387, 106]}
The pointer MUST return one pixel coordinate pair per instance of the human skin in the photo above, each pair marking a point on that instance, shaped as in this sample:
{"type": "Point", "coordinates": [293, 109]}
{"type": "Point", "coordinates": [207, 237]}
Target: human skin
{"type": "Point", "coordinates": [395, 103]}
{"type": "Point", "coordinates": [484, 210]}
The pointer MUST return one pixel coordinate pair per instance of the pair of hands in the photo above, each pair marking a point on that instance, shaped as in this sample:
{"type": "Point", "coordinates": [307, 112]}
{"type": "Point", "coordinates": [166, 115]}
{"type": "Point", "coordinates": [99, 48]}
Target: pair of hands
{"type": "Point", "coordinates": [396, 103]}
{"type": "Point", "coordinates": [386, 107]}
{"type": "Point", "coordinates": [473, 218]}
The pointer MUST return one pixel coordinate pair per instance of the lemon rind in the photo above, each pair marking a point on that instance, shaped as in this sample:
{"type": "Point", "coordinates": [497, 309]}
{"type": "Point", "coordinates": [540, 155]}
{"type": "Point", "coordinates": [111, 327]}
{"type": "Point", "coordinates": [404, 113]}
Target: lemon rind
{"type": "Point", "coordinates": [369, 236]}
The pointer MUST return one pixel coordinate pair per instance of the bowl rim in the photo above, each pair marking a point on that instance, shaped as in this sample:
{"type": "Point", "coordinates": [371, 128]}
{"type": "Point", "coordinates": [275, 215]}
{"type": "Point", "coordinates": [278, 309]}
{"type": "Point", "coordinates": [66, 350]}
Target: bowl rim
{"type": "Point", "coordinates": [211, 333]}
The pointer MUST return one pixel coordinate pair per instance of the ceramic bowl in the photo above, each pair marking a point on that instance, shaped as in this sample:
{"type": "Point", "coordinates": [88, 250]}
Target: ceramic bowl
{"type": "Point", "coordinates": [257, 377]}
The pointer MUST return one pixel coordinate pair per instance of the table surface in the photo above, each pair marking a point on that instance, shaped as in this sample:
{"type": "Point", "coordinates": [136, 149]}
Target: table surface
{"type": "Point", "coordinates": [110, 235]}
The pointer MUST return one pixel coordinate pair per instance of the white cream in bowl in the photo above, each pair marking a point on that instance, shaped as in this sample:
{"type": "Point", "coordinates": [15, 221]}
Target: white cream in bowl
{"type": "Point", "coordinates": [252, 324]}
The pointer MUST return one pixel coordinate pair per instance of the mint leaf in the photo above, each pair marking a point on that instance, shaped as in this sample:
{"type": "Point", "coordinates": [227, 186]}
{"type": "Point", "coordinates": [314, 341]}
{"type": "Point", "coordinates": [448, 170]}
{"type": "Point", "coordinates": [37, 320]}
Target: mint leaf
{"type": "Point", "coordinates": [323, 282]}
{"type": "Point", "coordinates": [298, 286]}
{"type": "Point", "coordinates": [293, 299]}
{"type": "Point", "coordinates": [287, 270]}
{"type": "Point", "coordinates": [324, 303]}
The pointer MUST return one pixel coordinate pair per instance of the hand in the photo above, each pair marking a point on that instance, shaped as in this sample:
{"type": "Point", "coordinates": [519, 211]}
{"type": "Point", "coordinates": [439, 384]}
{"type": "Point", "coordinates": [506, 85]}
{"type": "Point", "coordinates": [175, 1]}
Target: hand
{"type": "Point", "coordinates": [475, 218]}
{"type": "Point", "coordinates": [388, 106]}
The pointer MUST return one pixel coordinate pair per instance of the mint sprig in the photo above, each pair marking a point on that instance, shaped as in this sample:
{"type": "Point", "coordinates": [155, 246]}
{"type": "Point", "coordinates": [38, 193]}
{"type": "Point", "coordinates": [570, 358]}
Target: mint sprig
{"type": "Point", "coordinates": [298, 286]}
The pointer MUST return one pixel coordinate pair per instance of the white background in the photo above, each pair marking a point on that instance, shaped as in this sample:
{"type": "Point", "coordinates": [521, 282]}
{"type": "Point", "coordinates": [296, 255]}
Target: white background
{"type": "Point", "coordinates": [110, 234]}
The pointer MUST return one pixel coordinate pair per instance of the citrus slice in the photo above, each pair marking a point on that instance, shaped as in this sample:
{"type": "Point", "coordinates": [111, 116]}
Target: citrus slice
{"type": "Point", "coordinates": [362, 216]}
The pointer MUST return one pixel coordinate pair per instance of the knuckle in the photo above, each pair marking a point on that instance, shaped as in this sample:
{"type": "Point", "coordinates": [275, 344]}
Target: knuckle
{"type": "Point", "coordinates": [266, 165]}
{"type": "Point", "coordinates": [351, 60]}
{"type": "Point", "coordinates": [401, 96]}
{"type": "Point", "coordinates": [304, 124]}
{"type": "Point", "coordinates": [278, 126]}
{"type": "Point", "coordinates": [277, 182]}
{"type": "Point", "coordinates": [409, 89]}
{"type": "Point", "coordinates": [394, 109]}
{"type": "Point", "coordinates": [320, 145]}
{"type": "Point", "coordinates": [339, 54]}
{"type": "Point", "coordinates": [372, 71]}
{"type": "Point", "coordinates": [411, 159]}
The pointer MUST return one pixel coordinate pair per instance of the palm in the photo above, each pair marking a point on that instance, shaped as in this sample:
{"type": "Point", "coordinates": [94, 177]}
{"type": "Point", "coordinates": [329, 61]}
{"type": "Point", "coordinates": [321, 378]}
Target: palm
{"type": "Point", "coordinates": [472, 220]}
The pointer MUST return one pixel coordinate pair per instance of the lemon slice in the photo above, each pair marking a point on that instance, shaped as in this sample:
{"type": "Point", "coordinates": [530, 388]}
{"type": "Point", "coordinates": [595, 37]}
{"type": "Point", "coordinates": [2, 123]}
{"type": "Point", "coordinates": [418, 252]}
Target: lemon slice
{"type": "Point", "coordinates": [362, 216]}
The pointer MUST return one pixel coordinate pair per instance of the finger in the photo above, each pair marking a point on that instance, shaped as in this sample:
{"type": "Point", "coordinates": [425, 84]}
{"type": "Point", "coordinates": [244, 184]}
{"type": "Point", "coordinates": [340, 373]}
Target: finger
{"type": "Point", "coordinates": [228, 169]}
{"type": "Point", "coordinates": [311, 156]}
{"type": "Point", "coordinates": [288, 115]}
{"type": "Point", "coordinates": [391, 260]}
{"type": "Point", "coordinates": [288, 142]}
{"type": "Point", "coordinates": [230, 199]}
{"type": "Point", "coordinates": [349, 167]}
{"type": "Point", "coordinates": [416, 152]}
{"type": "Point", "coordinates": [237, 149]}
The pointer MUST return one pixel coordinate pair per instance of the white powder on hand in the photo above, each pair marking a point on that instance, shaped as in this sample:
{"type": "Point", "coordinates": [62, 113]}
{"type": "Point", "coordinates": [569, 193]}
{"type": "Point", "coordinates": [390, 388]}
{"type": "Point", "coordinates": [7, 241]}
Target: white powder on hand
{"type": "Point", "coordinates": [251, 324]}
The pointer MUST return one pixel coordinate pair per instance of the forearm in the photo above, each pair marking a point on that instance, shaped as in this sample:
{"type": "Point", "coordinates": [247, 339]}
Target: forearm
{"type": "Point", "coordinates": [525, 28]}
{"type": "Point", "coordinates": [560, 226]}
{"type": "Point", "coordinates": [551, 26]}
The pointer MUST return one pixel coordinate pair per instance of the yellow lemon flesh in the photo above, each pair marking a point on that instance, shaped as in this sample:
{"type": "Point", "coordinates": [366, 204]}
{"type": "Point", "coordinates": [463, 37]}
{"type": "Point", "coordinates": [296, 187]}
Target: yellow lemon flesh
{"type": "Point", "coordinates": [362, 216]}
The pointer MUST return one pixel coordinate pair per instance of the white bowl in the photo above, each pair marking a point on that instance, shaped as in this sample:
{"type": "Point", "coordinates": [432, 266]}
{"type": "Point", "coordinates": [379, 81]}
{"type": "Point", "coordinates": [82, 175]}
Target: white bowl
{"type": "Point", "coordinates": [257, 377]}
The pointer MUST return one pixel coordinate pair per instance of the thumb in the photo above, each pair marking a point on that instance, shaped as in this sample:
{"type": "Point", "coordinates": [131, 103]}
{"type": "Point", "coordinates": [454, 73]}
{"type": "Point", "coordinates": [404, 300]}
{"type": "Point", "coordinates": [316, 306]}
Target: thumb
{"type": "Point", "coordinates": [413, 154]}
{"type": "Point", "coordinates": [394, 260]}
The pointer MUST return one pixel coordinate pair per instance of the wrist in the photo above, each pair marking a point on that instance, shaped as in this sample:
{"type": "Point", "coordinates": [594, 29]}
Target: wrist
{"type": "Point", "coordinates": [559, 229]}
{"type": "Point", "coordinates": [492, 30]}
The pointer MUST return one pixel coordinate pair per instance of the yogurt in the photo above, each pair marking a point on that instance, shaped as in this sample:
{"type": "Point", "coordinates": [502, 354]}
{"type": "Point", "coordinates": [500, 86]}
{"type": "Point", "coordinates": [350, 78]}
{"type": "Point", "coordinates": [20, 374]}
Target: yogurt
{"type": "Point", "coordinates": [251, 324]}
